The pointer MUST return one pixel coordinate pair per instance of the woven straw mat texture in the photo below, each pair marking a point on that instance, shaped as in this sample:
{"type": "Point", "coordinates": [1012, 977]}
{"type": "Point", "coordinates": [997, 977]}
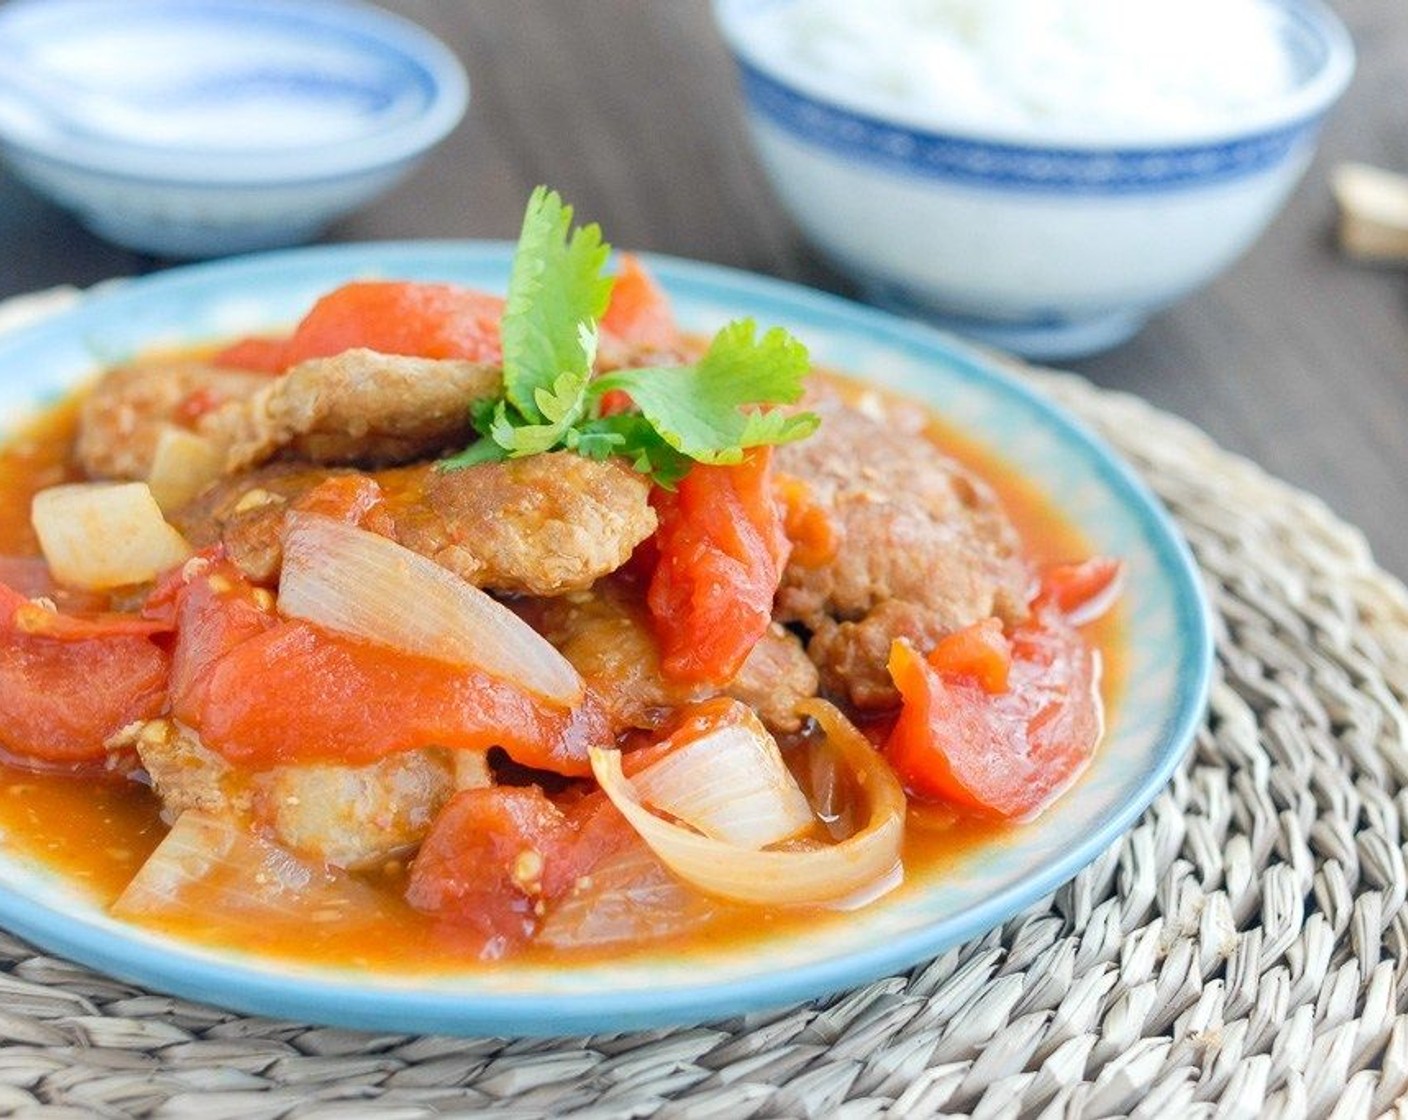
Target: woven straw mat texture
{"type": "Point", "coordinates": [1241, 952]}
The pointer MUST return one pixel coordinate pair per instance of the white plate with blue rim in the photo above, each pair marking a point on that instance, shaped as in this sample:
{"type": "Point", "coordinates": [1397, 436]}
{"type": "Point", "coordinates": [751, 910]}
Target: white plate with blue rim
{"type": "Point", "coordinates": [1166, 644]}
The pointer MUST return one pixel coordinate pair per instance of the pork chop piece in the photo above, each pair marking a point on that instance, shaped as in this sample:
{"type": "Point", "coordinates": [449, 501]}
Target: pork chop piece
{"type": "Point", "coordinates": [357, 407]}
{"type": "Point", "coordinates": [607, 637]}
{"type": "Point", "coordinates": [777, 674]}
{"type": "Point", "coordinates": [123, 417]}
{"type": "Point", "coordinates": [544, 525]}
{"type": "Point", "coordinates": [348, 816]}
{"type": "Point", "coordinates": [245, 513]}
{"type": "Point", "coordinates": [924, 546]}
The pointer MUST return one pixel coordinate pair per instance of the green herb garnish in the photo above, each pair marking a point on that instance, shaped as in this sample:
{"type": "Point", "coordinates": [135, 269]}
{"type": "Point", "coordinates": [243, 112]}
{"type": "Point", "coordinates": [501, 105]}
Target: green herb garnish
{"type": "Point", "coordinates": [707, 412]}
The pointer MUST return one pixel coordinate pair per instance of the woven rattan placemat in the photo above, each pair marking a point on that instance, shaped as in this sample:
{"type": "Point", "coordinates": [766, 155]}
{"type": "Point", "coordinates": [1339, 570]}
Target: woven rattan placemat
{"type": "Point", "coordinates": [1243, 951]}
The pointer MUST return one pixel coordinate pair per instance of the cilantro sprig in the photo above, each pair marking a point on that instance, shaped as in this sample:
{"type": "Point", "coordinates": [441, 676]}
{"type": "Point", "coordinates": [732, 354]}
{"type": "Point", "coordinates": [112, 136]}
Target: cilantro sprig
{"type": "Point", "coordinates": [710, 411]}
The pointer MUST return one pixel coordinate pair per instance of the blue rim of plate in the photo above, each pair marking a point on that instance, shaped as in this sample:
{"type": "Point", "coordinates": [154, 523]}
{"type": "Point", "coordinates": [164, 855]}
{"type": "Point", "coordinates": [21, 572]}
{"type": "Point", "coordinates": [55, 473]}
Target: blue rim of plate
{"type": "Point", "coordinates": [51, 914]}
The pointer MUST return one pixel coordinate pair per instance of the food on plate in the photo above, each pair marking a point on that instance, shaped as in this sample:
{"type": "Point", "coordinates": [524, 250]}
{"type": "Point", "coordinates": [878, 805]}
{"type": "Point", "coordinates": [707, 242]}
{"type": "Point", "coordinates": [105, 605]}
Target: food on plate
{"type": "Point", "coordinates": [458, 628]}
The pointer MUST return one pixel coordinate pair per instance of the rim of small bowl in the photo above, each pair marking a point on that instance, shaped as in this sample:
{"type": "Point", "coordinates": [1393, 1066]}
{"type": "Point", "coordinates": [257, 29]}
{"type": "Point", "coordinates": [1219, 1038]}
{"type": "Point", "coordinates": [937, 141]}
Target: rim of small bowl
{"type": "Point", "coordinates": [1307, 100]}
{"type": "Point", "coordinates": [445, 77]}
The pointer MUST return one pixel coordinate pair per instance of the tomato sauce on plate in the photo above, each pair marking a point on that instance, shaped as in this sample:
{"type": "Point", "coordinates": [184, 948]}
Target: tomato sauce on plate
{"type": "Point", "coordinates": [97, 829]}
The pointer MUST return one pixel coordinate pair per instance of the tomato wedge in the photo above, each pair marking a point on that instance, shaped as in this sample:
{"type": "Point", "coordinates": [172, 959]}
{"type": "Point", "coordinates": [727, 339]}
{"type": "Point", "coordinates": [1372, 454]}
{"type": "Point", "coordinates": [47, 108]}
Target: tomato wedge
{"type": "Point", "coordinates": [981, 651]}
{"type": "Point", "coordinates": [216, 610]}
{"type": "Point", "coordinates": [1002, 724]}
{"type": "Point", "coordinates": [389, 316]}
{"type": "Point", "coordinates": [639, 311]}
{"type": "Point", "coordinates": [1005, 754]}
{"type": "Point", "coordinates": [1083, 591]}
{"type": "Point", "coordinates": [637, 325]}
{"type": "Point", "coordinates": [814, 536]}
{"type": "Point", "coordinates": [346, 498]}
{"type": "Point", "coordinates": [295, 693]}
{"type": "Point", "coordinates": [487, 861]}
{"type": "Point", "coordinates": [263, 691]}
{"type": "Point", "coordinates": [256, 354]}
{"type": "Point", "coordinates": [721, 548]}
{"type": "Point", "coordinates": [495, 856]}
{"type": "Point", "coordinates": [71, 684]}
{"type": "Point", "coordinates": [26, 616]}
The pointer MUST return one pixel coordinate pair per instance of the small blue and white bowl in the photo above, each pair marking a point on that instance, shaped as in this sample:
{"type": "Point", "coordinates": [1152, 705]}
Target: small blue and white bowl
{"type": "Point", "coordinates": [1052, 248]}
{"type": "Point", "coordinates": [192, 128]}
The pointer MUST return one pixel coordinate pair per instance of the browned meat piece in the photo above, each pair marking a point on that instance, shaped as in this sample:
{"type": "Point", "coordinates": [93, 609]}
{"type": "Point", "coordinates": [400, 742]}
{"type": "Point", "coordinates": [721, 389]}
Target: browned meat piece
{"type": "Point", "coordinates": [925, 549]}
{"type": "Point", "coordinates": [777, 674]}
{"type": "Point", "coordinates": [606, 635]}
{"type": "Point", "coordinates": [357, 407]}
{"type": "Point", "coordinates": [184, 773]}
{"type": "Point", "coordinates": [246, 513]}
{"type": "Point", "coordinates": [125, 413]}
{"type": "Point", "coordinates": [348, 816]}
{"type": "Point", "coordinates": [544, 525]}
{"type": "Point", "coordinates": [355, 816]}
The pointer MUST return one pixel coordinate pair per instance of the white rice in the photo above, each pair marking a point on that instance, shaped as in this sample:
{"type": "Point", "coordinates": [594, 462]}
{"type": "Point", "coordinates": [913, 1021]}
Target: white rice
{"type": "Point", "coordinates": [1042, 69]}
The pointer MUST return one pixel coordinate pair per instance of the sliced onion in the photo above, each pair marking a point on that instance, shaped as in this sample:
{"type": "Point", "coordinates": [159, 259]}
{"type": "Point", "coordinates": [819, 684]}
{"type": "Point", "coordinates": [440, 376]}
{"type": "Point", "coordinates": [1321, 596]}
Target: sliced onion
{"type": "Point", "coordinates": [731, 784]}
{"type": "Point", "coordinates": [210, 871]}
{"type": "Point", "coordinates": [183, 465]}
{"type": "Point", "coordinates": [798, 875]}
{"type": "Point", "coordinates": [626, 900]}
{"type": "Point", "coordinates": [100, 535]}
{"type": "Point", "coordinates": [355, 582]}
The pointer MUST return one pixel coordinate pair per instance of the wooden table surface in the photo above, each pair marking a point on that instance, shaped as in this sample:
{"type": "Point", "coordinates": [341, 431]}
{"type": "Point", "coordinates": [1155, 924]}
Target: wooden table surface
{"type": "Point", "coordinates": [1296, 357]}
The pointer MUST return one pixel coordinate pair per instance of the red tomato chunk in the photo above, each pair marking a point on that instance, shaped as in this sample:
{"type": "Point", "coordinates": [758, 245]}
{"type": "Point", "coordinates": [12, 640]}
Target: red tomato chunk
{"type": "Point", "coordinates": [721, 551]}
{"type": "Point", "coordinates": [1004, 740]}
{"type": "Point", "coordinates": [65, 692]}
{"type": "Point", "coordinates": [495, 857]}
{"type": "Point", "coordinates": [390, 317]}
{"type": "Point", "coordinates": [327, 697]}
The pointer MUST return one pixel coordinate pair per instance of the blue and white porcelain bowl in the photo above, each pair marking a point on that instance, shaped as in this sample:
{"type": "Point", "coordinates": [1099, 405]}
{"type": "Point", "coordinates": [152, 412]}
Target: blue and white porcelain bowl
{"type": "Point", "coordinates": [191, 128]}
{"type": "Point", "coordinates": [1051, 248]}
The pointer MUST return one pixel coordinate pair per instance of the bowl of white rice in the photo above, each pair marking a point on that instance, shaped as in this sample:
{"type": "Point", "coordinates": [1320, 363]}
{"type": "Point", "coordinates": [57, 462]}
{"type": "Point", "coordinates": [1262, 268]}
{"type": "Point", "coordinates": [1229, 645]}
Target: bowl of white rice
{"type": "Point", "coordinates": [1041, 175]}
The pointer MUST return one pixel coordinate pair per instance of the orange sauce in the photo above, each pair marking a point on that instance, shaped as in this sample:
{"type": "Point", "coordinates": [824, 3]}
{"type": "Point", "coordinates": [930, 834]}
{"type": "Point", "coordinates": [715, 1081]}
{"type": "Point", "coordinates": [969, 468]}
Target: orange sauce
{"type": "Point", "coordinates": [98, 830]}
{"type": "Point", "coordinates": [39, 457]}
{"type": "Point", "coordinates": [1048, 537]}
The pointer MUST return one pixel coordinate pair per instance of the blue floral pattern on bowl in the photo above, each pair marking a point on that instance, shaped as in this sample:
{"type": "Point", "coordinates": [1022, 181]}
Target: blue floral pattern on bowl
{"type": "Point", "coordinates": [1016, 166]}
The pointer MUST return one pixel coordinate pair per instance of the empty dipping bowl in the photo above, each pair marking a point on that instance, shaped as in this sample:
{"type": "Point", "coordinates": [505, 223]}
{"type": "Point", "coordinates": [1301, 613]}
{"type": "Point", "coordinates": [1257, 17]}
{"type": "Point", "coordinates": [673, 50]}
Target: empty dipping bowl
{"type": "Point", "coordinates": [1051, 235]}
{"type": "Point", "coordinates": [190, 128]}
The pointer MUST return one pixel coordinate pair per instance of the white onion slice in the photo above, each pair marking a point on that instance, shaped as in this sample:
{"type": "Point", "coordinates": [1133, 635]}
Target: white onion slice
{"type": "Point", "coordinates": [799, 875]}
{"type": "Point", "coordinates": [355, 582]}
{"type": "Point", "coordinates": [626, 900]}
{"type": "Point", "coordinates": [730, 784]}
{"type": "Point", "coordinates": [101, 535]}
{"type": "Point", "coordinates": [211, 871]}
{"type": "Point", "coordinates": [183, 465]}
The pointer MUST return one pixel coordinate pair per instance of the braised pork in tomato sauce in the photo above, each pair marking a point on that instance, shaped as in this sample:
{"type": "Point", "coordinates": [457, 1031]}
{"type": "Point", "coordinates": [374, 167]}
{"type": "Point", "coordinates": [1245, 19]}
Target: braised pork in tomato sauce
{"type": "Point", "coordinates": [359, 643]}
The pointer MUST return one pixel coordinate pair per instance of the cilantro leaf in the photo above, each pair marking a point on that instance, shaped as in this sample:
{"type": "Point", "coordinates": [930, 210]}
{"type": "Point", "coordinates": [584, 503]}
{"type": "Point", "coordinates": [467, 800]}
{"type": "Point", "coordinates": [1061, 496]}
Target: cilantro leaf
{"type": "Point", "coordinates": [483, 411]}
{"type": "Point", "coordinates": [701, 410]}
{"type": "Point", "coordinates": [630, 435]}
{"type": "Point", "coordinates": [556, 287]}
{"type": "Point", "coordinates": [560, 407]}
{"type": "Point", "coordinates": [480, 451]}
{"type": "Point", "coordinates": [709, 412]}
